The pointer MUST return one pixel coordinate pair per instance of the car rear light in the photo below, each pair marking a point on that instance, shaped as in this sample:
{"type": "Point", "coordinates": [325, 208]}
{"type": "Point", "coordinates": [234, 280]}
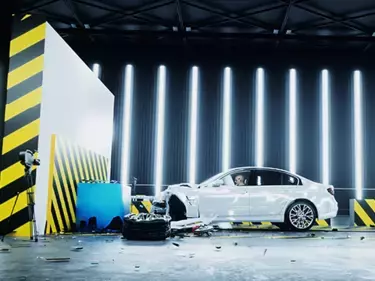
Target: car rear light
{"type": "Point", "coordinates": [331, 190]}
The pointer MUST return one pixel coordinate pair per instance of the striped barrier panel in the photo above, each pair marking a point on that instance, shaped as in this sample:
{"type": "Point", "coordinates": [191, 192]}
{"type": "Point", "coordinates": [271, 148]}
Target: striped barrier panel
{"type": "Point", "coordinates": [69, 164]}
{"type": "Point", "coordinates": [22, 119]}
{"type": "Point", "coordinates": [249, 225]}
{"type": "Point", "coordinates": [362, 212]}
{"type": "Point", "coordinates": [141, 204]}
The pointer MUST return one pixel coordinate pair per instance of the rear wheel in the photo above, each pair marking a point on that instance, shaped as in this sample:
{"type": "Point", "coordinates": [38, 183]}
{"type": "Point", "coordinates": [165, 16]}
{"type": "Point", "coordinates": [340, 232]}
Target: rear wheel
{"type": "Point", "coordinates": [300, 216]}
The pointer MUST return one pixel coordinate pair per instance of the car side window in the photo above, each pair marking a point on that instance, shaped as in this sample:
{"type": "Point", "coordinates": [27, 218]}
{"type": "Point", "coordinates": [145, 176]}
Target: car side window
{"type": "Point", "coordinates": [266, 177]}
{"type": "Point", "coordinates": [238, 178]}
{"type": "Point", "coordinates": [290, 180]}
{"type": "Point", "coordinates": [241, 178]}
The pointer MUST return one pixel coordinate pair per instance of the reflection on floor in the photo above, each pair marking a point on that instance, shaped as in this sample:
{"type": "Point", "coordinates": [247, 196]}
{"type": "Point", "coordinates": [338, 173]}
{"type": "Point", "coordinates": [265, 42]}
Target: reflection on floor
{"type": "Point", "coordinates": [258, 255]}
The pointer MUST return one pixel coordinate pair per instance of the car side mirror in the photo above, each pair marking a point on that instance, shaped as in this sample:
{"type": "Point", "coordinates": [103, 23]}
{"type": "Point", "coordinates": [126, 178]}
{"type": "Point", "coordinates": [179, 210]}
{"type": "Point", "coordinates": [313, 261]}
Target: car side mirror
{"type": "Point", "coordinates": [217, 183]}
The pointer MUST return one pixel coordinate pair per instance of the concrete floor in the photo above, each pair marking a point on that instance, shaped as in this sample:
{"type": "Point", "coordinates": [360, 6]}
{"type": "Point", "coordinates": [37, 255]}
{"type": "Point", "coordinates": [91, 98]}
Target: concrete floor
{"type": "Point", "coordinates": [254, 255]}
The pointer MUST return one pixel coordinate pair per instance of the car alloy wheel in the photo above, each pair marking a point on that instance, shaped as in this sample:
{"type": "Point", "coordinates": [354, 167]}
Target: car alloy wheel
{"type": "Point", "coordinates": [301, 216]}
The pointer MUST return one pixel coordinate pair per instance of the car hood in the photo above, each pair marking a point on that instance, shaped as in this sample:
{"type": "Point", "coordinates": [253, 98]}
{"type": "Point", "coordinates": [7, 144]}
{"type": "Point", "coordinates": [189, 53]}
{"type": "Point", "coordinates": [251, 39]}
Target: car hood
{"type": "Point", "coordinates": [183, 184]}
{"type": "Point", "coordinates": [174, 189]}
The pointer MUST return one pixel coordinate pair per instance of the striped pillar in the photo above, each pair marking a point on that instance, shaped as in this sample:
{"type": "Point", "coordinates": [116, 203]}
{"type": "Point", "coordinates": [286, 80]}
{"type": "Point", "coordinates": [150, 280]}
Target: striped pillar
{"type": "Point", "coordinates": [21, 121]}
{"type": "Point", "coordinates": [362, 212]}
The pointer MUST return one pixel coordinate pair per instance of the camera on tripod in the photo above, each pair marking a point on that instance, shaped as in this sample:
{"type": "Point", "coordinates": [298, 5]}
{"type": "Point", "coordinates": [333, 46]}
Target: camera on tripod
{"type": "Point", "coordinates": [27, 158]}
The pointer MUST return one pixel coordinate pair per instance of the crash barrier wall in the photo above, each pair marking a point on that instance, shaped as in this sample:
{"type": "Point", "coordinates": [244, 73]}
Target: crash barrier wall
{"type": "Point", "coordinates": [22, 119]}
{"type": "Point", "coordinates": [362, 212]}
{"type": "Point", "coordinates": [69, 164]}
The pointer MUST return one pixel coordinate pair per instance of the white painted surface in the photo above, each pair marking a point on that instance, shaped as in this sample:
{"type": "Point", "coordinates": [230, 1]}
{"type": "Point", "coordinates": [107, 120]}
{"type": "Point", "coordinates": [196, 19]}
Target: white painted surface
{"type": "Point", "coordinates": [75, 105]}
{"type": "Point", "coordinates": [255, 202]}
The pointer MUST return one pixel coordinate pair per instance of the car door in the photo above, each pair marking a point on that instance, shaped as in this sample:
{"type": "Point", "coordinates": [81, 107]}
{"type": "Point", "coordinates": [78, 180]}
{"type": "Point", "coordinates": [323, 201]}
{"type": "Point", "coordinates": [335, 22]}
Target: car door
{"type": "Point", "coordinates": [225, 201]}
{"type": "Point", "coordinates": [270, 192]}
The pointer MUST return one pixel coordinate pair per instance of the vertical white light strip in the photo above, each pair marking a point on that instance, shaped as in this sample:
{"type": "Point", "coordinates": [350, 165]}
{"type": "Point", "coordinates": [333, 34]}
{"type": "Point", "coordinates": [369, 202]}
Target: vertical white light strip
{"type": "Point", "coordinates": [227, 119]}
{"type": "Point", "coordinates": [292, 120]}
{"type": "Point", "coordinates": [259, 128]}
{"type": "Point", "coordinates": [96, 69]}
{"type": "Point", "coordinates": [325, 95]}
{"type": "Point", "coordinates": [193, 123]}
{"type": "Point", "coordinates": [358, 150]}
{"type": "Point", "coordinates": [160, 129]}
{"type": "Point", "coordinates": [126, 123]}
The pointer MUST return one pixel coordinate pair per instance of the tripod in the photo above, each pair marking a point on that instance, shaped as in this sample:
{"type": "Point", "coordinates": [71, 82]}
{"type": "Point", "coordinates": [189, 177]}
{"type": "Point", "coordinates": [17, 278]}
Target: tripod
{"type": "Point", "coordinates": [30, 206]}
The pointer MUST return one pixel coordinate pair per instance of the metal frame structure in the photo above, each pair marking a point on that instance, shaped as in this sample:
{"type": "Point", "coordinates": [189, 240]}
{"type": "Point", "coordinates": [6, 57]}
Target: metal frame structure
{"type": "Point", "coordinates": [165, 20]}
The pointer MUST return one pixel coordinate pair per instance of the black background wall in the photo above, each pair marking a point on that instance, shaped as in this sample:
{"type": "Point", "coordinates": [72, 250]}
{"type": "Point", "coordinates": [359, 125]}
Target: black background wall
{"type": "Point", "coordinates": [243, 61]}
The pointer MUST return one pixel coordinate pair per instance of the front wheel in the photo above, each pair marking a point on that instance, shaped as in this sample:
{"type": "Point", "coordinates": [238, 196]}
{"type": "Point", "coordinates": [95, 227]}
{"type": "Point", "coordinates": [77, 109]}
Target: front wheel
{"type": "Point", "coordinates": [300, 216]}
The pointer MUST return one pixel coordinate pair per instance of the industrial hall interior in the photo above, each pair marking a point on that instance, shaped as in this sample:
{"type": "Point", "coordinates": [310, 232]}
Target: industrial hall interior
{"type": "Point", "coordinates": [187, 140]}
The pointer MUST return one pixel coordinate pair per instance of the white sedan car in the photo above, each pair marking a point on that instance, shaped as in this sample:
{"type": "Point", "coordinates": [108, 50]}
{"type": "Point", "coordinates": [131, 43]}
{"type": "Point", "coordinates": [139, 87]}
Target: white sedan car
{"type": "Point", "coordinates": [253, 194]}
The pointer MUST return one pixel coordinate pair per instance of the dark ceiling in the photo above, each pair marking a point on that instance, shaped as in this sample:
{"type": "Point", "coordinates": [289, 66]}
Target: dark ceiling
{"type": "Point", "coordinates": [283, 24]}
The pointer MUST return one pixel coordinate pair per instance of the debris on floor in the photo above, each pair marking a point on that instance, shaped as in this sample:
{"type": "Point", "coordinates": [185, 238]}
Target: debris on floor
{"type": "Point", "coordinates": [362, 238]}
{"type": "Point", "coordinates": [265, 251]}
{"type": "Point", "coordinates": [25, 245]}
{"type": "Point", "coordinates": [77, 248]}
{"type": "Point", "coordinates": [4, 250]}
{"type": "Point", "coordinates": [57, 259]}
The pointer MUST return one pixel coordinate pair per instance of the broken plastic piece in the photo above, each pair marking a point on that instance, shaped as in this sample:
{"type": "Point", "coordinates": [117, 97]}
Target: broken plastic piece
{"type": "Point", "coordinates": [57, 259]}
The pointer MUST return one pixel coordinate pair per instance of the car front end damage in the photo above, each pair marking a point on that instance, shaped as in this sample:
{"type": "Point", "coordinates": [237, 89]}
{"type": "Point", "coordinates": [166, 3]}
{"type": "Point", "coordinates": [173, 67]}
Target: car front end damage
{"type": "Point", "coordinates": [172, 201]}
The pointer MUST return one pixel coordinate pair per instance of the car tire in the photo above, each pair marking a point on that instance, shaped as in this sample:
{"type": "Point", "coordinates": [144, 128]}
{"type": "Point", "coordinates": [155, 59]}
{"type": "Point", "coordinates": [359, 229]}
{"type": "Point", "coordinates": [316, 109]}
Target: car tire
{"type": "Point", "coordinates": [300, 216]}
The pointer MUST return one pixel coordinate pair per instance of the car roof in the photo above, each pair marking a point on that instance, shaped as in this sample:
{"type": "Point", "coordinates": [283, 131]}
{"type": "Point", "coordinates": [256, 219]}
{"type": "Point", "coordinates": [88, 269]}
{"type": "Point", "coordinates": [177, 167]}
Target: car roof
{"type": "Point", "coordinates": [303, 179]}
{"type": "Point", "coordinates": [264, 168]}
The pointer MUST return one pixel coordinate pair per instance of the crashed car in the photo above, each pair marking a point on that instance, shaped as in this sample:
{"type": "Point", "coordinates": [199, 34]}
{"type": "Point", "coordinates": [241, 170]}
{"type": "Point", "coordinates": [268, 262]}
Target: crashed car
{"type": "Point", "coordinates": [253, 194]}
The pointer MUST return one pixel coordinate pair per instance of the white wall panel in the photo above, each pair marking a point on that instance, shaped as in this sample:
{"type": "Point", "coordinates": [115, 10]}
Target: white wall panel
{"type": "Point", "coordinates": [75, 105]}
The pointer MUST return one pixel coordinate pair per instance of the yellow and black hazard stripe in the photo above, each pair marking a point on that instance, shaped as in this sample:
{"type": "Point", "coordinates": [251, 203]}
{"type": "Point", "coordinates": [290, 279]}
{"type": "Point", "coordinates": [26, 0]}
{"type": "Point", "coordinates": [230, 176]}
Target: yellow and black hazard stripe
{"type": "Point", "coordinates": [69, 164]}
{"type": "Point", "coordinates": [256, 225]}
{"type": "Point", "coordinates": [364, 212]}
{"type": "Point", "coordinates": [140, 206]}
{"type": "Point", "coordinates": [22, 118]}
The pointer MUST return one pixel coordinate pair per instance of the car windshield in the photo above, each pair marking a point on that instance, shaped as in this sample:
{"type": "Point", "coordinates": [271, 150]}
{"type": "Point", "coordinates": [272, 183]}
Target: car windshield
{"type": "Point", "coordinates": [213, 178]}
